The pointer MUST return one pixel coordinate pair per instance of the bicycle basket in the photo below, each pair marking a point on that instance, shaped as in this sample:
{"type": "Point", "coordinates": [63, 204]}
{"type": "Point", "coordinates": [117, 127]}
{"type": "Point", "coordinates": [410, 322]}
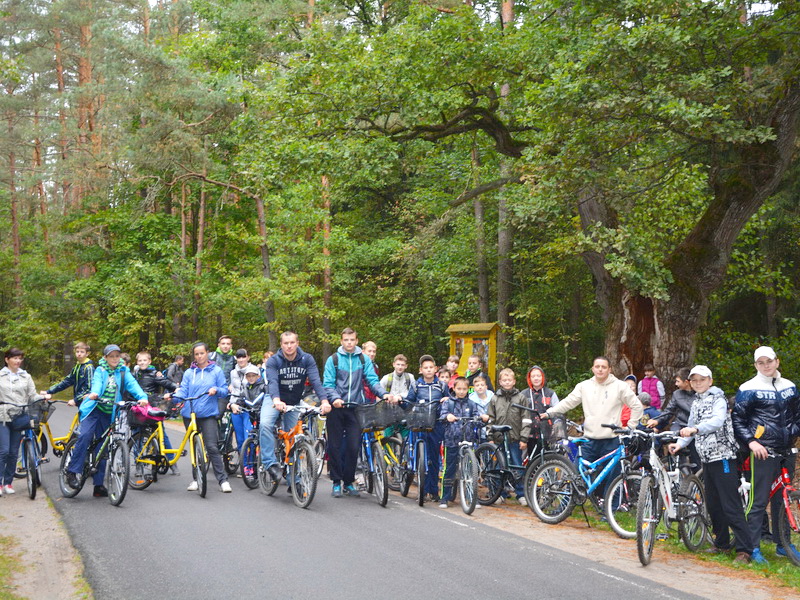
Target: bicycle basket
{"type": "Point", "coordinates": [378, 416]}
{"type": "Point", "coordinates": [39, 411]}
{"type": "Point", "coordinates": [422, 416]}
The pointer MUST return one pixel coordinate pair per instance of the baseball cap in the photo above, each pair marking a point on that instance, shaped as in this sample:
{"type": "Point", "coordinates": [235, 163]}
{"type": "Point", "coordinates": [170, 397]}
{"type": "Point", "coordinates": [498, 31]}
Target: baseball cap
{"type": "Point", "coordinates": [764, 351]}
{"type": "Point", "coordinates": [110, 348]}
{"type": "Point", "coordinates": [252, 369]}
{"type": "Point", "coordinates": [701, 370]}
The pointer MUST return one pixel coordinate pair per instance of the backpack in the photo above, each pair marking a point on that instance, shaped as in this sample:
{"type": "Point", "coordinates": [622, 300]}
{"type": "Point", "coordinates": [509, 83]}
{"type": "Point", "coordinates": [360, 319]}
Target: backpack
{"type": "Point", "coordinates": [406, 376]}
{"type": "Point", "coordinates": [336, 360]}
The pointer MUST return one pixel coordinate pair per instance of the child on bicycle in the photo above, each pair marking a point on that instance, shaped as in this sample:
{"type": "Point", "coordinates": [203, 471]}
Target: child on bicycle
{"type": "Point", "coordinates": [154, 384]}
{"type": "Point", "coordinates": [79, 378]}
{"type": "Point", "coordinates": [501, 412]}
{"type": "Point", "coordinates": [711, 427]}
{"type": "Point", "coordinates": [253, 391]}
{"type": "Point", "coordinates": [111, 379]}
{"type": "Point", "coordinates": [451, 408]}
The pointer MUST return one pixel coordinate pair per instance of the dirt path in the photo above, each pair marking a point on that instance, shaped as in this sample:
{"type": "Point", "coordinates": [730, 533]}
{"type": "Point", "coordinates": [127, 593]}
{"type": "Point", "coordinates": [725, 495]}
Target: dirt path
{"type": "Point", "coordinates": [53, 567]}
{"type": "Point", "coordinates": [691, 575]}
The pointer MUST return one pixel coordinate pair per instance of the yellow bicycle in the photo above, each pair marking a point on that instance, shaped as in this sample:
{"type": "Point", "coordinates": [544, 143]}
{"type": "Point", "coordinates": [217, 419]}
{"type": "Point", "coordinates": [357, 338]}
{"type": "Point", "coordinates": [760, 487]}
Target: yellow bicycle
{"type": "Point", "coordinates": [150, 458]}
{"type": "Point", "coordinates": [44, 434]}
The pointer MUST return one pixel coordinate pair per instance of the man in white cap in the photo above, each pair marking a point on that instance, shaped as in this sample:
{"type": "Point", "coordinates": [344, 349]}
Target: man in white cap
{"type": "Point", "coordinates": [765, 420]}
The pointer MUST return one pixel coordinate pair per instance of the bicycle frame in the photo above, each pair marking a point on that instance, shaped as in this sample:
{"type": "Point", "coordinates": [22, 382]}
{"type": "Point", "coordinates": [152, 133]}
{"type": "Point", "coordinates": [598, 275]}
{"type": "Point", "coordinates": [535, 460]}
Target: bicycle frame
{"type": "Point", "coordinates": [586, 468]}
{"type": "Point", "coordinates": [666, 481]}
{"type": "Point", "coordinates": [58, 444]}
{"type": "Point", "coordinates": [172, 455]}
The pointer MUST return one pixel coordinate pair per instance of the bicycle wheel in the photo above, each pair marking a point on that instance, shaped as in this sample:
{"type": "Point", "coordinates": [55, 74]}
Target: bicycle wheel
{"type": "Point", "coordinates": [553, 497]}
{"type": "Point", "coordinates": [319, 451]}
{"type": "Point", "coordinates": [230, 455]}
{"type": "Point", "coordinates": [692, 521]}
{"type": "Point", "coordinates": [303, 473]}
{"type": "Point", "coordinates": [199, 468]}
{"type": "Point", "coordinates": [392, 448]}
{"type": "Point", "coordinates": [619, 505]}
{"type": "Point", "coordinates": [66, 489]}
{"type": "Point", "coordinates": [142, 448]}
{"type": "Point", "coordinates": [468, 480]}
{"type": "Point", "coordinates": [420, 471]}
{"type": "Point", "coordinates": [648, 516]}
{"type": "Point", "coordinates": [491, 465]}
{"type": "Point", "coordinates": [380, 483]}
{"type": "Point", "coordinates": [406, 468]}
{"type": "Point", "coordinates": [249, 462]}
{"type": "Point", "coordinates": [20, 471]}
{"type": "Point", "coordinates": [38, 463]}
{"type": "Point", "coordinates": [269, 485]}
{"type": "Point", "coordinates": [789, 530]}
{"type": "Point", "coordinates": [363, 474]}
{"type": "Point", "coordinates": [41, 437]}
{"type": "Point", "coordinates": [118, 472]}
{"type": "Point", "coordinates": [29, 462]}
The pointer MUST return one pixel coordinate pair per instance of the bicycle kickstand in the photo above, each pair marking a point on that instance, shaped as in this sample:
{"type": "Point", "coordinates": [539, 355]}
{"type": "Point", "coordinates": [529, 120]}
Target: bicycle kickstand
{"type": "Point", "coordinates": [585, 516]}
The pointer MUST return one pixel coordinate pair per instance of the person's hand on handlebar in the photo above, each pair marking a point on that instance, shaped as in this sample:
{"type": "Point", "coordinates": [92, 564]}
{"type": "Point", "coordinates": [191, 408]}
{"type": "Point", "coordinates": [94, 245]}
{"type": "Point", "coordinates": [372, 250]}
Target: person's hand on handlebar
{"type": "Point", "coordinates": [651, 424]}
{"type": "Point", "coordinates": [279, 404]}
{"type": "Point", "coordinates": [485, 418]}
{"type": "Point", "coordinates": [212, 391]}
{"type": "Point", "coordinates": [338, 403]}
{"type": "Point", "coordinates": [324, 407]}
{"type": "Point", "coordinates": [673, 448]}
{"type": "Point", "coordinates": [92, 396]}
{"type": "Point", "coordinates": [451, 418]}
{"type": "Point", "coordinates": [235, 408]}
{"type": "Point", "coordinates": [758, 450]}
{"type": "Point", "coordinates": [144, 402]}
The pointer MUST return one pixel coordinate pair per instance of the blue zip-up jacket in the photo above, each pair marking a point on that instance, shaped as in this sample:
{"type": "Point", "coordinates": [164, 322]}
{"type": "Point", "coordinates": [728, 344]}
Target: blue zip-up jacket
{"type": "Point", "coordinates": [80, 379]}
{"type": "Point", "coordinates": [427, 392]}
{"type": "Point", "coordinates": [99, 382]}
{"type": "Point", "coordinates": [196, 383]}
{"type": "Point", "coordinates": [286, 379]}
{"type": "Point", "coordinates": [346, 382]}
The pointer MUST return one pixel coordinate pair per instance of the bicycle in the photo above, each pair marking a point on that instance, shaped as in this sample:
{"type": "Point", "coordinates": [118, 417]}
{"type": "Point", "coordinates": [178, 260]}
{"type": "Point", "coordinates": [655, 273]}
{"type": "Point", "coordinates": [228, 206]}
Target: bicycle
{"type": "Point", "coordinates": [250, 458]}
{"type": "Point", "coordinates": [150, 457]}
{"type": "Point", "coordinates": [559, 485]}
{"type": "Point", "coordinates": [29, 461]}
{"type": "Point", "coordinates": [110, 444]}
{"type": "Point", "coordinates": [671, 493]}
{"type": "Point", "coordinates": [228, 450]}
{"type": "Point", "coordinates": [44, 434]}
{"type": "Point", "coordinates": [316, 430]}
{"type": "Point", "coordinates": [468, 469]}
{"type": "Point", "coordinates": [789, 524]}
{"type": "Point", "coordinates": [296, 458]}
{"type": "Point", "coordinates": [372, 467]}
{"type": "Point", "coordinates": [420, 418]}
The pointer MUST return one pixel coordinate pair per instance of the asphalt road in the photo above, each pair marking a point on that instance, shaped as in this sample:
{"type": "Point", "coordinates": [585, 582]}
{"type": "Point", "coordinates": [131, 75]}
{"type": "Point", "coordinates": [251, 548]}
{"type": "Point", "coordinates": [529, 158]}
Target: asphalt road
{"type": "Point", "coordinates": [165, 542]}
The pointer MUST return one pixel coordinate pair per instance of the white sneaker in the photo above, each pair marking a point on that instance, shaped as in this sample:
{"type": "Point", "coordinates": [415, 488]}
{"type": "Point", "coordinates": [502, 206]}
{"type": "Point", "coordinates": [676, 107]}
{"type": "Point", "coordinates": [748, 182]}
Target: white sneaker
{"type": "Point", "coordinates": [443, 504]}
{"type": "Point", "coordinates": [522, 501]}
{"type": "Point", "coordinates": [8, 489]}
{"type": "Point", "coordinates": [225, 487]}
{"type": "Point", "coordinates": [192, 487]}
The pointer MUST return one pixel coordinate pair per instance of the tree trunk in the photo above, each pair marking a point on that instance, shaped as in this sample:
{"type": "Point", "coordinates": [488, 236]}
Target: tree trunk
{"type": "Point", "coordinates": [40, 191]}
{"type": "Point", "coordinates": [12, 191]}
{"type": "Point", "coordinates": [85, 110]}
{"type": "Point", "coordinates": [480, 249]}
{"type": "Point", "coordinates": [62, 120]}
{"type": "Point", "coordinates": [327, 348]}
{"type": "Point", "coordinates": [198, 258]}
{"type": "Point", "coordinates": [266, 272]}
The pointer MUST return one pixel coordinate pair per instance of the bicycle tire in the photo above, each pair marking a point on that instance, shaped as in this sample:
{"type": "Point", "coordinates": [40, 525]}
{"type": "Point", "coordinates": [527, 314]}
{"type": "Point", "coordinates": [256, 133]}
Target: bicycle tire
{"type": "Point", "coordinates": [392, 448]}
{"type": "Point", "coordinates": [20, 472]}
{"type": "Point", "coordinates": [41, 437]}
{"type": "Point", "coordinates": [363, 474]}
{"type": "Point", "coordinates": [303, 473]}
{"type": "Point", "coordinates": [553, 497]}
{"type": "Point", "coordinates": [67, 490]}
{"type": "Point", "coordinates": [468, 480]}
{"type": "Point", "coordinates": [320, 448]}
{"type": "Point", "coordinates": [38, 463]}
{"type": "Point", "coordinates": [141, 475]}
{"type": "Point", "coordinates": [492, 464]}
{"type": "Point", "coordinates": [406, 468]}
{"type": "Point", "coordinates": [269, 485]}
{"type": "Point", "coordinates": [118, 472]}
{"type": "Point", "coordinates": [248, 464]}
{"type": "Point", "coordinates": [30, 469]}
{"type": "Point", "coordinates": [648, 517]}
{"type": "Point", "coordinates": [789, 536]}
{"type": "Point", "coordinates": [692, 520]}
{"type": "Point", "coordinates": [199, 467]}
{"type": "Point", "coordinates": [420, 471]}
{"type": "Point", "coordinates": [230, 455]}
{"type": "Point", "coordinates": [379, 476]}
{"type": "Point", "coordinates": [620, 504]}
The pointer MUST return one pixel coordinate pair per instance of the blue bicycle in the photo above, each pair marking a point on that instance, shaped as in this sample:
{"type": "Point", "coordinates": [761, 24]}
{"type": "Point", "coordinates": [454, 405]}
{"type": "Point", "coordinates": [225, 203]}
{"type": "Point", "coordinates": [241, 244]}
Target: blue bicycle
{"type": "Point", "coordinates": [559, 485]}
{"type": "Point", "coordinates": [30, 461]}
{"type": "Point", "coordinates": [420, 418]}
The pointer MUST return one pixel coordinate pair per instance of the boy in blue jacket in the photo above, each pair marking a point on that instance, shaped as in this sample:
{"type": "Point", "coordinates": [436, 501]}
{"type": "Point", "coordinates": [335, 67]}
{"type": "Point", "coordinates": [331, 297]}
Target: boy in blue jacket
{"type": "Point", "coordinates": [205, 381]}
{"type": "Point", "coordinates": [345, 373]}
{"type": "Point", "coordinates": [430, 389]}
{"type": "Point", "coordinates": [95, 411]}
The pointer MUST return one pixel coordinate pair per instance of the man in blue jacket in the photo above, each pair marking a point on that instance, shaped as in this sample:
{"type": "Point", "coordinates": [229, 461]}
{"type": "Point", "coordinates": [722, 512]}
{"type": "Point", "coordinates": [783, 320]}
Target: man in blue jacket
{"type": "Point", "coordinates": [345, 373]}
{"type": "Point", "coordinates": [205, 381]}
{"type": "Point", "coordinates": [286, 373]}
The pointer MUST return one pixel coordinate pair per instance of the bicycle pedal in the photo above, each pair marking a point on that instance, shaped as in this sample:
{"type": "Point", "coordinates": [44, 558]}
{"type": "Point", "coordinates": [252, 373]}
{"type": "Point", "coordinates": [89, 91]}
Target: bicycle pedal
{"type": "Point", "coordinates": [660, 537]}
{"type": "Point", "coordinates": [183, 453]}
{"type": "Point", "coordinates": [45, 460]}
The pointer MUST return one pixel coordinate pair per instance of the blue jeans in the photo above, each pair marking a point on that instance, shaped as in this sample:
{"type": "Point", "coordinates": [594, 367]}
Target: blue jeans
{"type": "Point", "coordinates": [516, 460]}
{"type": "Point", "coordinates": [241, 427]}
{"type": "Point", "coordinates": [10, 436]}
{"type": "Point", "coordinates": [92, 426]}
{"type": "Point", "coordinates": [266, 435]}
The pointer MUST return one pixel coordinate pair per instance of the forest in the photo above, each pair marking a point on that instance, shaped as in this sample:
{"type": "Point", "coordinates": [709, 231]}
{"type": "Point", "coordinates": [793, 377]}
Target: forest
{"type": "Point", "coordinates": [598, 177]}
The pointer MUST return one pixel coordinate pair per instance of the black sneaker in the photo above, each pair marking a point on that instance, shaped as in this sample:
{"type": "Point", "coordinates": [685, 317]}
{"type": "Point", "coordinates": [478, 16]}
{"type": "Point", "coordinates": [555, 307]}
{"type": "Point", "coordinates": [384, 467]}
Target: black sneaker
{"type": "Point", "coordinates": [100, 492]}
{"type": "Point", "coordinates": [72, 479]}
{"type": "Point", "coordinates": [275, 472]}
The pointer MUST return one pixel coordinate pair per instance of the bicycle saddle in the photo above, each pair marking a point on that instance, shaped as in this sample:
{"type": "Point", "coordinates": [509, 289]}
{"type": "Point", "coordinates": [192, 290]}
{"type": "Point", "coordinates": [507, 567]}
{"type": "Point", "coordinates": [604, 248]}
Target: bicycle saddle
{"type": "Point", "coordinates": [155, 413]}
{"type": "Point", "coordinates": [501, 428]}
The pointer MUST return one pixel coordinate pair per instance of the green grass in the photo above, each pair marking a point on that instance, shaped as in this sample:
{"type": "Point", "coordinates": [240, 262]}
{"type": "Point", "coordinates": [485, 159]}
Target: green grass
{"type": "Point", "coordinates": [10, 563]}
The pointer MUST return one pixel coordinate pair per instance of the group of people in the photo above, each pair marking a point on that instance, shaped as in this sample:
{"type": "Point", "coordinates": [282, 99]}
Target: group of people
{"type": "Point", "coordinates": [764, 419]}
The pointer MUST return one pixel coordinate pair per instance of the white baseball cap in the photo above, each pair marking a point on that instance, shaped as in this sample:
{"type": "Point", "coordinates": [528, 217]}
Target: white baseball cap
{"type": "Point", "coordinates": [701, 370]}
{"type": "Point", "coordinates": [764, 351]}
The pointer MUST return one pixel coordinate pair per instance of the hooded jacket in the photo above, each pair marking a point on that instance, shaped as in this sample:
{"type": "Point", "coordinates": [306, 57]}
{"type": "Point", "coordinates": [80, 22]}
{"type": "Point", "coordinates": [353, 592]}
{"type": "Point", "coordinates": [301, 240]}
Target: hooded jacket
{"type": "Point", "coordinates": [602, 404]}
{"type": "Point", "coordinates": [424, 391]}
{"type": "Point", "coordinates": [471, 377]}
{"type": "Point", "coordinates": [225, 361]}
{"type": "Point", "coordinates": [460, 407]}
{"type": "Point", "coordinates": [677, 411]}
{"type": "Point", "coordinates": [766, 411]}
{"type": "Point", "coordinates": [286, 378]}
{"type": "Point", "coordinates": [345, 381]}
{"type": "Point", "coordinates": [17, 390]}
{"type": "Point", "coordinates": [100, 380]}
{"type": "Point", "coordinates": [501, 412]}
{"type": "Point", "coordinates": [80, 379]}
{"type": "Point", "coordinates": [196, 383]}
{"type": "Point", "coordinates": [237, 380]}
{"type": "Point", "coordinates": [152, 383]}
{"type": "Point", "coordinates": [540, 400]}
{"type": "Point", "coordinates": [714, 439]}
